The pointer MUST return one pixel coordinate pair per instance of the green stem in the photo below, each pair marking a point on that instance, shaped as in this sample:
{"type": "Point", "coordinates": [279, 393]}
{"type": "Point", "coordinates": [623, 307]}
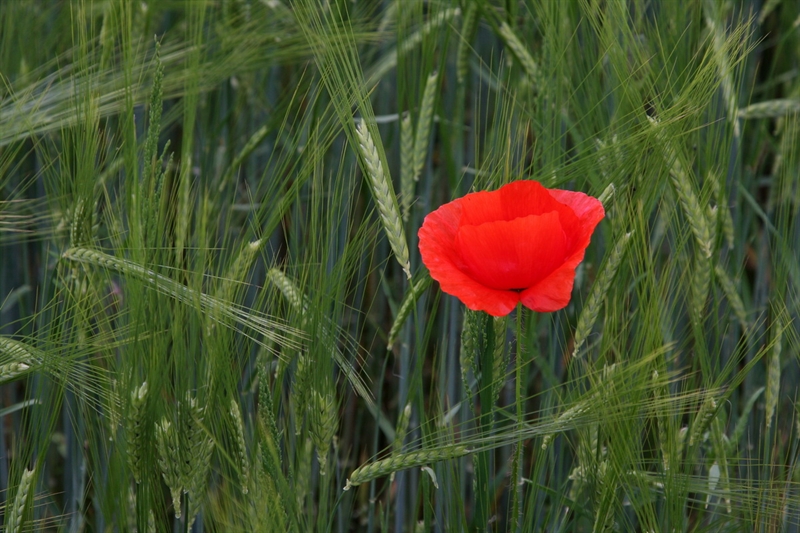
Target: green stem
{"type": "Point", "coordinates": [516, 488]}
{"type": "Point", "coordinates": [483, 492]}
{"type": "Point", "coordinates": [186, 517]}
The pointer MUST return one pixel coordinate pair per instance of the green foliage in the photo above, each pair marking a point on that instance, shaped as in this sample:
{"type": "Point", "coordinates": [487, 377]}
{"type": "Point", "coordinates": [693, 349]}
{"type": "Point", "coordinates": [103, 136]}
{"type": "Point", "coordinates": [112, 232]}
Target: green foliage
{"type": "Point", "coordinates": [203, 261]}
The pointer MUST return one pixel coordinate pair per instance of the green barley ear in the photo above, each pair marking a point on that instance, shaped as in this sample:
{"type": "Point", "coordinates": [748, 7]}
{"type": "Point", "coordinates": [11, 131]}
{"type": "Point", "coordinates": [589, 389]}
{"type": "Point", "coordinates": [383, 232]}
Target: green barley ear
{"type": "Point", "coordinates": [135, 429]}
{"type": "Point", "coordinates": [723, 212]}
{"type": "Point", "coordinates": [11, 371]}
{"type": "Point", "coordinates": [196, 447]}
{"type": "Point", "coordinates": [266, 413]}
{"type": "Point", "coordinates": [407, 305]}
{"type": "Point", "coordinates": [21, 354]}
{"type": "Point", "coordinates": [154, 123]}
{"type": "Point", "coordinates": [468, 26]}
{"type": "Point", "coordinates": [287, 288]}
{"type": "Point", "coordinates": [406, 164]}
{"type": "Point", "coordinates": [302, 389]}
{"type": "Point", "coordinates": [718, 39]}
{"type": "Point", "coordinates": [686, 194]}
{"type": "Point", "coordinates": [302, 480]}
{"type": "Point", "coordinates": [151, 521]}
{"type": "Point", "coordinates": [719, 445]}
{"type": "Point", "coordinates": [770, 109]}
{"type": "Point", "coordinates": [433, 24]}
{"type": "Point", "coordinates": [237, 272]}
{"type": "Point", "coordinates": [403, 461]}
{"type": "Point", "coordinates": [251, 144]}
{"type": "Point", "coordinates": [500, 357]}
{"type": "Point", "coordinates": [701, 421]}
{"type": "Point", "coordinates": [471, 333]}
{"type": "Point", "coordinates": [607, 195]}
{"type": "Point", "coordinates": [423, 134]}
{"type": "Point", "coordinates": [701, 283]}
{"type": "Point", "coordinates": [660, 392]}
{"type": "Point", "coordinates": [401, 430]}
{"type": "Point", "coordinates": [597, 295]}
{"type": "Point", "coordinates": [170, 460]}
{"type": "Point", "coordinates": [774, 373]}
{"type": "Point", "coordinates": [241, 447]}
{"type": "Point", "coordinates": [565, 419]}
{"type": "Point", "coordinates": [16, 514]}
{"type": "Point", "coordinates": [80, 229]}
{"type": "Point", "coordinates": [729, 288]}
{"type": "Point", "coordinates": [324, 422]}
{"type": "Point", "coordinates": [383, 194]}
{"type": "Point", "coordinates": [519, 50]}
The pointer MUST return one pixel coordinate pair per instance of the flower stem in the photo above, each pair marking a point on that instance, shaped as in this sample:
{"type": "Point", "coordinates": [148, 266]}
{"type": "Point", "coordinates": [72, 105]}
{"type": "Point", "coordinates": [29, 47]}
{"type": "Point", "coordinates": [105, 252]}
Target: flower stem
{"type": "Point", "coordinates": [516, 487]}
{"type": "Point", "coordinates": [483, 467]}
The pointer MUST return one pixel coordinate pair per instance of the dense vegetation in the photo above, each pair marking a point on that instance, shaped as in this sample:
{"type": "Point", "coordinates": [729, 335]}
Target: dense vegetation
{"type": "Point", "coordinates": [213, 313]}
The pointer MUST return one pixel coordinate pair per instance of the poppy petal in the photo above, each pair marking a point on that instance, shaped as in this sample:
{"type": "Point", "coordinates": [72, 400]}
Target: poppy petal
{"type": "Point", "coordinates": [513, 255]}
{"type": "Point", "coordinates": [436, 245]}
{"type": "Point", "coordinates": [588, 210]}
{"type": "Point", "coordinates": [523, 198]}
{"type": "Point", "coordinates": [552, 293]}
{"type": "Point", "coordinates": [582, 204]}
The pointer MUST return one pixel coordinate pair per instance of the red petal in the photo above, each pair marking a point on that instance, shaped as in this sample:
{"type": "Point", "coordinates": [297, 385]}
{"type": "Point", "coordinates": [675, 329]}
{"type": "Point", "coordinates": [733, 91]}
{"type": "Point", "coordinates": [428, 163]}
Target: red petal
{"type": "Point", "coordinates": [436, 245]}
{"type": "Point", "coordinates": [513, 255]}
{"type": "Point", "coordinates": [588, 210]}
{"type": "Point", "coordinates": [552, 293]}
{"type": "Point", "coordinates": [517, 199]}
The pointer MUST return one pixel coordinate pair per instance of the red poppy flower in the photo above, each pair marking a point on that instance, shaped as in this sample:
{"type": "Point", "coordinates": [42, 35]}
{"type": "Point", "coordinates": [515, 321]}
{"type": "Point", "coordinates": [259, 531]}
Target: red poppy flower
{"type": "Point", "coordinates": [521, 242]}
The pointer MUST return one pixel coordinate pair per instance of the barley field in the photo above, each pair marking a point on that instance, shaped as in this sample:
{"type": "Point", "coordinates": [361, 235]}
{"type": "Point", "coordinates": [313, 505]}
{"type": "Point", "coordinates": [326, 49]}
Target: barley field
{"type": "Point", "coordinates": [214, 311]}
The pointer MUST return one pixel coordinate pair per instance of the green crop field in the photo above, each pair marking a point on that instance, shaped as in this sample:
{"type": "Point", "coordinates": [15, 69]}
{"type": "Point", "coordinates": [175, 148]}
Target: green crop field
{"type": "Point", "coordinates": [214, 311]}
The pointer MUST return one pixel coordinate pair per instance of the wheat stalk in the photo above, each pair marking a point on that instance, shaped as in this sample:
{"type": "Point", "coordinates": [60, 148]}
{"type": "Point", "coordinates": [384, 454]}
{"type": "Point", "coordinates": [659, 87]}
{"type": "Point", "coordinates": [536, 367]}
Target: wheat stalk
{"type": "Point", "coordinates": [288, 289]}
{"type": "Point", "coordinates": [135, 429]}
{"type": "Point", "coordinates": [383, 194]}
{"type": "Point", "coordinates": [424, 122]}
{"type": "Point", "coordinates": [520, 51]}
{"type": "Point", "coordinates": [15, 515]}
{"type": "Point", "coordinates": [19, 352]}
{"type": "Point", "coordinates": [324, 422]}
{"type": "Point", "coordinates": [703, 418]}
{"type": "Point", "coordinates": [686, 194]}
{"type": "Point", "coordinates": [403, 461]}
{"type": "Point", "coordinates": [597, 295]}
{"type": "Point", "coordinates": [11, 371]}
{"type": "Point", "coordinates": [464, 46]}
{"type": "Point", "coordinates": [169, 459]}
{"type": "Point", "coordinates": [774, 373]}
{"type": "Point", "coordinates": [607, 194]}
{"type": "Point", "coordinates": [406, 306]}
{"type": "Point", "coordinates": [718, 443]}
{"type": "Point", "coordinates": [718, 40]}
{"type": "Point", "coordinates": [500, 356]}
{"type": "Point", "coordinates": [196, 450]}
{"type": "Point", "coordinates": [471, 334]}
{"type": "Point", "coordinates": [732, 295]}
{"type": "Point", "coordinates": [241, 447]}
{"type": "Point", "coordinates": [771, 108]}
{"type": "Point", "coordinates": [659, 392]}
{"type": "Point", "coordinates": [701, 282]}
{"type": "Point", "coordinates": [402, 428]}
{"type": "Point", "coordinates": [406, 164]}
